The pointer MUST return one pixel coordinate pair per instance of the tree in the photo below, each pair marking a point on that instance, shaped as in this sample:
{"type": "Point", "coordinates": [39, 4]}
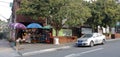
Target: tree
{"type": "Point", "coordinates": [4, 31]}
{"type": "Point", "coordinates": [111, 13]}
{"type": "Point", "coordinates": [34, 8]}
{"type": "Point", "coordinates": [104, 13]}
{"type": "Point", "coordinates": [58, 12]}
{"type": "Point", "coordinates": [118, 12]}
{"type": "Point", "coordinates": [68, 12]}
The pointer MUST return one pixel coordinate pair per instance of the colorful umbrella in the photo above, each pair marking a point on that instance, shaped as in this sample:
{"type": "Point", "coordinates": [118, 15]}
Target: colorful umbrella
{"type": "Point", "coordinates": [17, 26]}
{"type": "Point", "coordinates": [47, 27]}
{"type": "Point", "coordinates": [34, 25]}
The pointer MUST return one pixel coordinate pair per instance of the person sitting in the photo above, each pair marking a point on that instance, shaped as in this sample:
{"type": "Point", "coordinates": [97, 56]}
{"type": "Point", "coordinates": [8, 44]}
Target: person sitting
{"type": "Point", "coordinates": [26, 37]}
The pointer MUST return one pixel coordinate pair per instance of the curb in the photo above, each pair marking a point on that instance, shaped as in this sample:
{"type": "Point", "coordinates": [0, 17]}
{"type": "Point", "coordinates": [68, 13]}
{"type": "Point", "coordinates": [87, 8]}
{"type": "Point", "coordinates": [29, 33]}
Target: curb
{"type": "Point", "coordinates": [45, 50]}
{"type": "Point", "coordinates": [113, 39]}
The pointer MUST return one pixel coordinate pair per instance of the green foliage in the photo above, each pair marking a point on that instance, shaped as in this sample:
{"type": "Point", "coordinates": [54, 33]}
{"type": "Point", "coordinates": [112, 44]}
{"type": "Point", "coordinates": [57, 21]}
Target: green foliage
{"type": "Point", "coordinates": [111, 13]}
{"type": "Point", "coordinates": [104, 13]}
{"type": "Point", "coordinates": [78, 13]}
{"type": "Point", "coordinates": [75, 12]}
{"type": "Point", "coordinates": [34, 8]}
{"type": "Point", "coordinates": [3, 26]}
{"type": "Point", "coordinates": [68, 12]}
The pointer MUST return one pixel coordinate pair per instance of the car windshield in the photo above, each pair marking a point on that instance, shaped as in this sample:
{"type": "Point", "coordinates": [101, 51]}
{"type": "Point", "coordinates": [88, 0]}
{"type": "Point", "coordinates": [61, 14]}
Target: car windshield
{"type": "Point", "coordinates": [87, 36]}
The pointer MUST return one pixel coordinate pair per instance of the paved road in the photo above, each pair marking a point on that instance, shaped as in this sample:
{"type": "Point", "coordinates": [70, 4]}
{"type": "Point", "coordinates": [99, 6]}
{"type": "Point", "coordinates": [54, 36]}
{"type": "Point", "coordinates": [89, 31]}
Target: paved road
{"type": "Point", "coordinates": [110, 49]}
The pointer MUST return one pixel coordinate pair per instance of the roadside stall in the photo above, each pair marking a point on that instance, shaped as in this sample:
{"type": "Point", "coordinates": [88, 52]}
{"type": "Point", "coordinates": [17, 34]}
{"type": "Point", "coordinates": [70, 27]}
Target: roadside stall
{"type": "Point", "coordinates": [48, 32]}
{"type": "Point", "coordinates": [32, 33]}
{"type": "Point", "coordinates": [16, 30]}
{"type": "Point", "coordinates": [35, 32]}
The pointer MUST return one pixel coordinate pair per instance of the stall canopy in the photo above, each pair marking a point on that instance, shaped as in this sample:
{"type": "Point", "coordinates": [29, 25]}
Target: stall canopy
{"type": "Point", "coordinates": [34, 25]}
{"type": "Point", "coordinates": [17, 26]}
{"type": "Point", "coordinates": [47, 27]}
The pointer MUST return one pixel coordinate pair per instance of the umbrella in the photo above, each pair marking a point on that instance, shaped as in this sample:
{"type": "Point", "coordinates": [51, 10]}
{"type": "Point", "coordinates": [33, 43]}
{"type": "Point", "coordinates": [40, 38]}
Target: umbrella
{"type": "Point", "coordinates": [11, 25]}
{"type": "Point", "coordinates": [17, 26]}
{"type": "Point", "coordinates": [47, 27]}
{"type": "Point", "coordinates": [34, 25]}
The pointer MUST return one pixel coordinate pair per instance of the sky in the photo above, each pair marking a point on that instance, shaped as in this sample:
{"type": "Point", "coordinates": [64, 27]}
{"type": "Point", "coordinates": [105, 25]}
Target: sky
{"type": "Point", "coordinates": [5, 9]}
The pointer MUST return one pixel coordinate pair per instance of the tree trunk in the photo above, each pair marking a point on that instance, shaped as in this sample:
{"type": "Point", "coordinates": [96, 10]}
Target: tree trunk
{"type": "Point", "coordinates": [57, 32]}
{"type": "Point", "coordinates": [95, 29]}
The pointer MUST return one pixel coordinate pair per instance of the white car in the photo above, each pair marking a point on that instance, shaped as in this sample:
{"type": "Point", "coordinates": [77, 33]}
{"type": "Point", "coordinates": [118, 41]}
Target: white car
{"type": "Point", "coordinates": [91, 39]}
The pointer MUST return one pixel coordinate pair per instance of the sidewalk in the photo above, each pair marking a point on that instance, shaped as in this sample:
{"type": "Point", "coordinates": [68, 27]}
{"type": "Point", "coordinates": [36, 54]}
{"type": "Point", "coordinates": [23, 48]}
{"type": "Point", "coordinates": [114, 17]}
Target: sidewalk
{"type": "Point", "coordinates": [37, 48]}
{"type": "Point", "coordinates": [6, 50]}
{"type": "Point", "coordinates": [30, 49]}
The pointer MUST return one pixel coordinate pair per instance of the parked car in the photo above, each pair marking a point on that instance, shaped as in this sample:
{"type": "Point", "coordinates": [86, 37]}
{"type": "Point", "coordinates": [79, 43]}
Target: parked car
{"type": "Point", "coordinates": [91, 39]}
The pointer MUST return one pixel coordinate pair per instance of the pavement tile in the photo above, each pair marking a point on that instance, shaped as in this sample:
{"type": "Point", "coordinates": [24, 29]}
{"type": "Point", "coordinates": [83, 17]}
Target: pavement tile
{"type": "Point", "coordinates": [40, 46]}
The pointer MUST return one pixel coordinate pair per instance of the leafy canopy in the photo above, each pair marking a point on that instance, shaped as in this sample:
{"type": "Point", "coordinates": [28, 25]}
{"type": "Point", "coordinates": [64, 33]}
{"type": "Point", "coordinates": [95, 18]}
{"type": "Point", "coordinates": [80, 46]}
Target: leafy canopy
{"type": "Point", "coordinates": [104, 13]}
{"type": "Point", "coordinates": [58, 12]}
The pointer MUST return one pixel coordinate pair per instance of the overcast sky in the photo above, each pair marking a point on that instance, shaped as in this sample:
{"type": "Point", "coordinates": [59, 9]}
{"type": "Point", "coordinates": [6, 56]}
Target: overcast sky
{"type": "Point", "coordinates": [5, 9]}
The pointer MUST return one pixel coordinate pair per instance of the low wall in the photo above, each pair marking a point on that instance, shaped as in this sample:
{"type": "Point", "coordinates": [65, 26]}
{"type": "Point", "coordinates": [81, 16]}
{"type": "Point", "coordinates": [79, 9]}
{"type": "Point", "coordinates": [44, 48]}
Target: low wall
{"type": "Point", "coordinates": [108, 36]}
{"type": "Point", "coordinates": [67, 39]}
{"type": "Point", "coordinates": [117, 35]}
{"type": "Point", "coordinates": [113, 36]}
{"type": "Point", "coordinates": [62, 39]}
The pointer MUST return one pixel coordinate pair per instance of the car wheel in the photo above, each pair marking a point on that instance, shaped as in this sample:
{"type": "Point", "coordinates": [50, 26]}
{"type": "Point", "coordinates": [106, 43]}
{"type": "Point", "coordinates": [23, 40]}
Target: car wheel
{"type": "Point", "coordinates": [91, 44]}
{"type": "Point", "coordinates": [103, 42]}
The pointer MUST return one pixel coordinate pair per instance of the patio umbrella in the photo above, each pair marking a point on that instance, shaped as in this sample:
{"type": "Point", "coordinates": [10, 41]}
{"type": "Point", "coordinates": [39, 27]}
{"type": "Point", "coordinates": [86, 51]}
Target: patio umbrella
{"type": "Point", "coordinates": [34, 25]}
{"type": "Point", "coordinates": [47, 27]}
{"type": "Point", "coordinates": [17, 26]}
{"type": "Point", "coordinates": [11, 25]}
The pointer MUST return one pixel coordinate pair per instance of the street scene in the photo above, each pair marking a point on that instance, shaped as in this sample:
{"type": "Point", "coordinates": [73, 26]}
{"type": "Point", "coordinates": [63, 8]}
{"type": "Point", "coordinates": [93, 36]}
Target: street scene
{"type": "Point", "coordinates": [59, 28]}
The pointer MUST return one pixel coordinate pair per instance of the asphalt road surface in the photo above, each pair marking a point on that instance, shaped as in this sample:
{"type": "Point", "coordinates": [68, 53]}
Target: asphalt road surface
{"type": "Point", "coordinates": [110, 49]}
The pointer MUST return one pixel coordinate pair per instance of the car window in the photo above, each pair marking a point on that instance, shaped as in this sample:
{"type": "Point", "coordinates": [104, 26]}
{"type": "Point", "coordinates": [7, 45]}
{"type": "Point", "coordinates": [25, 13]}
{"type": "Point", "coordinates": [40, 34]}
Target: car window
{"type": "Point", "coordinates": [99, 35]}
{"type": "Point", "coordinates": [96, 35]}
{"type": "Point", "coordinates": [87, 36]}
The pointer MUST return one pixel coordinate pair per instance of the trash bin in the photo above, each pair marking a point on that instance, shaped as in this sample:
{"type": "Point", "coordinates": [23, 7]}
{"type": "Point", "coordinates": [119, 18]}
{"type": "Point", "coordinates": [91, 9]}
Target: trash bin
{"type": "Point", "coordinates": [56, 41]}
{"type": "Point", "coordinates": [113, 36]}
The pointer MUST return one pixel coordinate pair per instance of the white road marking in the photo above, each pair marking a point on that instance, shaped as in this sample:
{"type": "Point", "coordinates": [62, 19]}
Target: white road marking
{"type": "Point", "coordinates": [37, 52]}
{"type": "Point", "coordinates": [79, 54]}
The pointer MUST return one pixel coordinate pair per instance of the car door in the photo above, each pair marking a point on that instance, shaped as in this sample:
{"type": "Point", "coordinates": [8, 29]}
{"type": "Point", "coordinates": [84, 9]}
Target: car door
{"type": "Point", "coordinates": [97, 38]}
